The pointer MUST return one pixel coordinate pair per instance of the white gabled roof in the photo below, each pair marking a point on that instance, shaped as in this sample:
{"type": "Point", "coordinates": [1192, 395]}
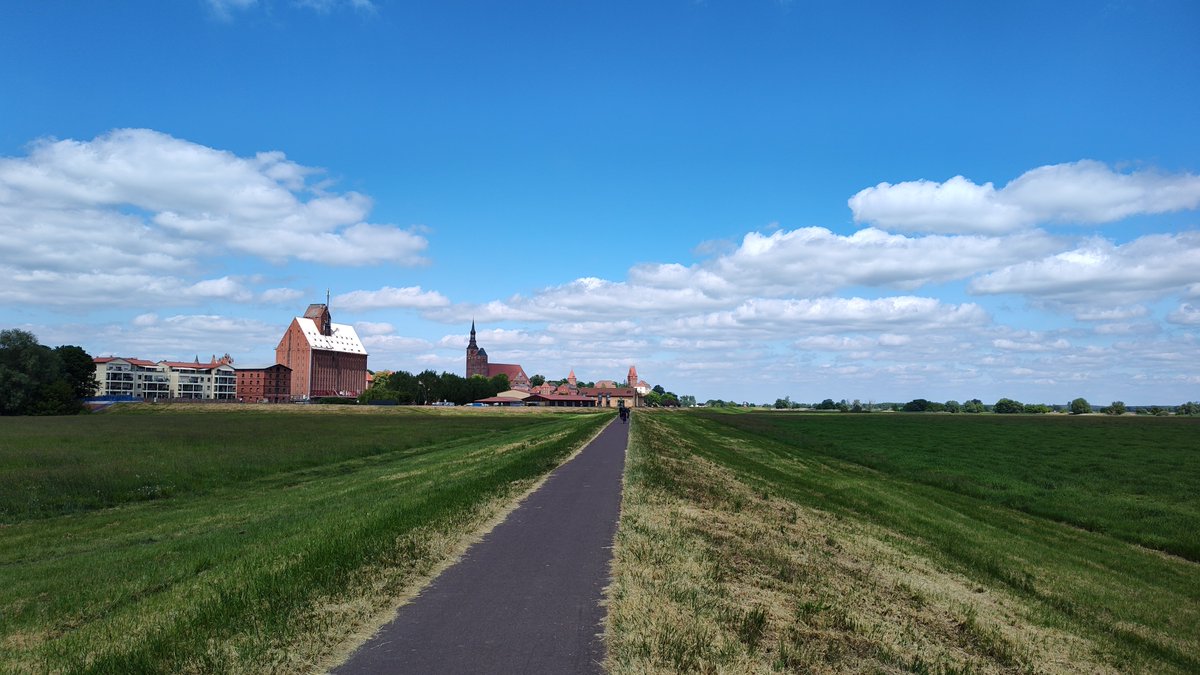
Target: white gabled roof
{"type": "Point", "coordinates": [342, 337]}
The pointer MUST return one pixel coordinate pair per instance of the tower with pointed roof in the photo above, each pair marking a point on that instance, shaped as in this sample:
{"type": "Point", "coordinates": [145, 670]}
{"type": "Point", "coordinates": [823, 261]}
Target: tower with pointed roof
{"type": "Point", "coordinates": [633, 376]}
{"type": "Point", "coordinates": [571, 379]}
{"type": "Point", "coordinates": [477, 358]}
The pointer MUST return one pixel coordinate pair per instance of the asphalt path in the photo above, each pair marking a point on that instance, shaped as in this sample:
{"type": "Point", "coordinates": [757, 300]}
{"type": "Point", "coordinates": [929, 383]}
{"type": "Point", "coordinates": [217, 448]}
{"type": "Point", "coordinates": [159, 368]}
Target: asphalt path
{"type": "Point", "coordinates": [526, 598]}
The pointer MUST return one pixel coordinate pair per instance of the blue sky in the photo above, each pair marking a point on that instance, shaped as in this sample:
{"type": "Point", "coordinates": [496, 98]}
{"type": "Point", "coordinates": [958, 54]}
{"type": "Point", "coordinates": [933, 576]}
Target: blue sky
{"type": "Point", "coordinates": [746, 199]}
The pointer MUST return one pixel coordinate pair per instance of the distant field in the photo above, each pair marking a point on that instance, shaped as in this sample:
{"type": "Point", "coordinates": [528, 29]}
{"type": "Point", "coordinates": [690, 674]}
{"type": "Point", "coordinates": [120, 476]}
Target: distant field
{"type": "Point", "coordinates": [769, 542]}
{"type": "Point", "coordinates": [218, 539]}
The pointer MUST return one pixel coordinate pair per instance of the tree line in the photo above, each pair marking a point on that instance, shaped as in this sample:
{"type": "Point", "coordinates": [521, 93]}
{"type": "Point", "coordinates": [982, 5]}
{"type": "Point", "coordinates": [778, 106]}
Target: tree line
{"type": "Point", "coordinates": [38, 380]}
{"type": "Point", "coordinates": [1004, 406]}
{"type": "Point", "coordinates": [404, 388]}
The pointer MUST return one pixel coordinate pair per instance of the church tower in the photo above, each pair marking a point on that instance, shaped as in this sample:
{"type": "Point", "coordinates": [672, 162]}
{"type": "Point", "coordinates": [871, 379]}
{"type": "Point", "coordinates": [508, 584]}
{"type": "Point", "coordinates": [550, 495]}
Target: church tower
{"type": "Point", "coordinates": [633, 376]}
{"type": "Point", "coordinates": [477, 359]}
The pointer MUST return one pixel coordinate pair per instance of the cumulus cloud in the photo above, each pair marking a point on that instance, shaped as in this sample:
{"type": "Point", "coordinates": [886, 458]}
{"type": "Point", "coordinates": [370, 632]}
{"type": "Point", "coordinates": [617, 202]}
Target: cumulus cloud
{"type": "Point", "coordinates": [280, 296]}
{"type": "Point", "coordinates": [67, 289]}
{"type": "Point", "coordinates": [833, 314]}
{"type": "Point", "coordinates": [806, 262]}
{"type": "Point", "coordinates": [1033, 343]}
{"type": "Point", "coordinates": [816, 261]}
{"type": "Point", "coordinates": [409, 297]}
{"type": "Point", "coordinates": [372, 328]}
{"type": "Point", "coordinates": [1086, 191]}
{"type": "Point", "coordinates": [1111, 313]}
{"type": "Point", "coordinates": [137, 202]}
{"type": "Point", "coordinates": [1187, 315]}
{"type": "Point", "coordinates": [1101, 271]}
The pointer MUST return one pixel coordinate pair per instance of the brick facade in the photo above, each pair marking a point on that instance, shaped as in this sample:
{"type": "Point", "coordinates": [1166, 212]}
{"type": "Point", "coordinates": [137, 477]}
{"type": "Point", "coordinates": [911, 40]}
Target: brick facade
{"type": "Point", "coordinates": [272, 384]}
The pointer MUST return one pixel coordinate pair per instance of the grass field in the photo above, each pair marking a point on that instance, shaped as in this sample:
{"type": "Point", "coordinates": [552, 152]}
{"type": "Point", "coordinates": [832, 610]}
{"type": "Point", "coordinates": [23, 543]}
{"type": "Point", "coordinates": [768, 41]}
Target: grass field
{"type": "Point", "coordinates": [769, 542]}
{"type": "Point", "coordinates": [212, 540]}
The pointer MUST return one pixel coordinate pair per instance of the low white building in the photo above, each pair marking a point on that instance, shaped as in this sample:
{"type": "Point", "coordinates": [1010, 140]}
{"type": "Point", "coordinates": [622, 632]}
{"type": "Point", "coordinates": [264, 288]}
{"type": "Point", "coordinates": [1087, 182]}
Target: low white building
{"type": "Point", "coordinates": [138, 378]}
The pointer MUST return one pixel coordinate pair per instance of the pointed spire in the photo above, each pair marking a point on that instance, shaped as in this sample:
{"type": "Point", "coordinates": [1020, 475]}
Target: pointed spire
{"type": "Point", "coordinates": [471, 344]}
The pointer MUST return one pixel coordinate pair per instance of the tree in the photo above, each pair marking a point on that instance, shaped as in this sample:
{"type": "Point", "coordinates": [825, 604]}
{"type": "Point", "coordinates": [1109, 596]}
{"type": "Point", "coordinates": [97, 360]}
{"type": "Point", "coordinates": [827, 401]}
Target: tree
{"type": "Point", "coordinates": [827, 404]}
{"type": "Point", "coordinates": [916, 405]}
{"type": "Point", "coordinates": [952, 406]}
{"type": "Point", "coordinates": [79, 370]}
{"type": "Point", "coordinates": [653, 399]}
{"type": "Point", "coordinates": [973, 406]}
{"type": "Point", "coordinates": [784, 403]}
{"type": "Point", "coordinates": [658, 389]}
{"type": "Point", "coordinates": [33, 380]}
{"type": "Point", "coordinates": [1037, 408]}
{"type": "Point", "coordinates": [1117, 408]}
{"type": "Point", "coordinates": [1189, 408]}
{"type": "Point", "coordinates": [1007, 406]}
{"type": "Point", "coordinates": [687, 401]}
{"type": "Point", "coordinates": [1080, 406]}
{"type": "Point", "coordinates": [537, 380]}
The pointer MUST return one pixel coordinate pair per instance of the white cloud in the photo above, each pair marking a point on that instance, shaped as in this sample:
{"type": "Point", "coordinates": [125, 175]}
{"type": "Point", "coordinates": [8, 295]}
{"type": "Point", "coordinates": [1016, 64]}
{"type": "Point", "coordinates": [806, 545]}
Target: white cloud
{"type": "Point", "coordinates": [409, 297]}
{"type": "Point", "coordinates": [833, 314]}
{"type": "Point", "coordinates": [223, 8]}
{"type": "Point", "coordinates": [281, 296]}
{"type": "Point", "coordinates": [1128, 328]}
{"type": "Point", "coordinates": [131, 289]}
{"type": "Point", "coordinates": [1100, 271]}
{"type": "Point", "coordinates": [1187, 315]}
{"type": "Point", "coordinates": [814, 261]}
{"type": "Point", "coordinates": [382, 346]}
{"type": "Point", "coordinates": [135, 202]}
{"type": "Point", "coordinates": [1111, 313]}
{"type": "Point", "coordinates": [371, 328]}
{"type": "Point", "coordinates": [1032, 343]}
{"type": "Point", "coordinates": [325, 6]}
{"type": "Point", "coordinates": [1086, 191]}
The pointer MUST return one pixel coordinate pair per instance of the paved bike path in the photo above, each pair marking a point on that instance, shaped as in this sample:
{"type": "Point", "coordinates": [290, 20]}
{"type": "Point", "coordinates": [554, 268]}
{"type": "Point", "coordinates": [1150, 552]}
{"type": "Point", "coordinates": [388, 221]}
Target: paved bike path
{"type": "Point", "coordinates": [526, 598]}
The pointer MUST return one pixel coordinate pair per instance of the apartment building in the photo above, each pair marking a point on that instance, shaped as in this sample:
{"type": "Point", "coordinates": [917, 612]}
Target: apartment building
{"type": "Point", "coordinates": [148, 380]}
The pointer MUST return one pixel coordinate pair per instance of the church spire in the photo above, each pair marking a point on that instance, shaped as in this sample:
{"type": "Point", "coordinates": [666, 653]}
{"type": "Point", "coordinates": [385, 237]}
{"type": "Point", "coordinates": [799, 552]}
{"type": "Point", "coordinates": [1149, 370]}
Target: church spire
{"type": "Point", "coordinates": [472, 344]}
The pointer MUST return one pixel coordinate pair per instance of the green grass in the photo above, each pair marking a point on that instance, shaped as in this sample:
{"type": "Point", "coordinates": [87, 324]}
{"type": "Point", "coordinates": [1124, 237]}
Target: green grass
{"type": "Point", "coordinates": [281, 533]}
{"type": "Point", "coordinates": [1135, 478]}
{"type": "Point", "coordinates": [769, 542]}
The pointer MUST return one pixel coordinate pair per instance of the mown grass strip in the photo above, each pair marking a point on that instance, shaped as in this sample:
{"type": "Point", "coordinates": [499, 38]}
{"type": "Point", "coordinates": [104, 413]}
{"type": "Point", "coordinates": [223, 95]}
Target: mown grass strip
{"type": "Point", "coordinates": [1136, 478]}
{"type": "Point", "coordinates": [738, 553]}
{"type": "Point", "coordinates": [269, 573]}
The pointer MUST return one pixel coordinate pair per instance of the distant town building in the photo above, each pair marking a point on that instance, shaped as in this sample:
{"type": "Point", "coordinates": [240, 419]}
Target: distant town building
{"type": "Point", "coordinates": [272, 384]}
{"type": "Point", "coordinates": [632, 380]}
{"type": "Point", "coordinates": [613, 397]}
{"type": "Point", "coordinates": [326, 358]}
{"type": "Point", "coordinates": [147, 380]}
{"type": "Point", "coordinates": [478, 364]}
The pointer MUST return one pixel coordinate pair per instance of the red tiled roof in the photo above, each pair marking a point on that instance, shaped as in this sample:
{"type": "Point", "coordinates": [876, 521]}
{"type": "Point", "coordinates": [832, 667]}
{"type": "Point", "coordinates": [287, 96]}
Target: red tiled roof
{"type": "Point", "coordinates": [611, 391]}
{"type": "Point", "coordinates": [560, 397]}
{"type": "Point", "coordinates": [512, 370]}
{"type": "Point", "coordinates": [192, 364]}
{"type": "Point", "coordinates": [132, 361]}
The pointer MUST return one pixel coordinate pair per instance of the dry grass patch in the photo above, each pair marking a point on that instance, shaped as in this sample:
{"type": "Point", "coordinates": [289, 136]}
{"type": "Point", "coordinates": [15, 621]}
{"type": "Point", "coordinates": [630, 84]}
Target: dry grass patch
{"type": "Point", "coordinates": [712, 574]}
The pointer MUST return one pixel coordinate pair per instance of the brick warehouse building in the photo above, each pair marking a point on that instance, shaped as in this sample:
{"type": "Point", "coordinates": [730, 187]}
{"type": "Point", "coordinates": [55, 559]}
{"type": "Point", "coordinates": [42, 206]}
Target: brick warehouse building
{"type": "Point", "coordinates": [272, 384]}
{"type": "Point", "coordinates": [326, 358]}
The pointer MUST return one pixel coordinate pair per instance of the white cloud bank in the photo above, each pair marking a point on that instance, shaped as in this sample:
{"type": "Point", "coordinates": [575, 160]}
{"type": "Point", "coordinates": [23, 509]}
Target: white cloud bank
{"type": "Point", "coordinates": [135, 208]}
{"type": "Point", "coordinates": [1102, 272]}
{"type": "Point", "coordinates": [1086, 191]}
